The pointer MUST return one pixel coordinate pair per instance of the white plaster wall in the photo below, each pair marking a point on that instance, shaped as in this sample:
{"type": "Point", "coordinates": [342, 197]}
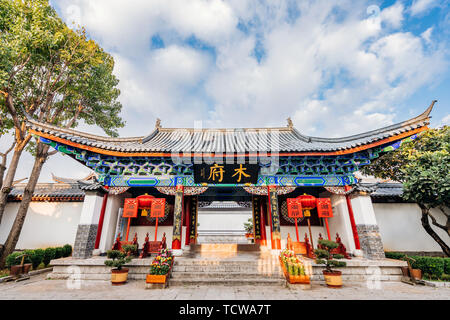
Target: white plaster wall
{"type": "Point", "coordinates": [142, 230]}
{"type": "Point", "coordinates": [401, 228]}
{"type": "Point", "coordinates": [47, 224]}
{"type": "Point", "coordinates": [92, 206]}
{"type": "Point", "coordinates": [113, 204]}
{"type": "Point", "coordinates": [363, 211]}
{"type": "Point", "coordinates": [214, 220]}
{"type": "Point", "coordinates": [340, 222]}
{"type": "Point", "coordinates": [315, 230]}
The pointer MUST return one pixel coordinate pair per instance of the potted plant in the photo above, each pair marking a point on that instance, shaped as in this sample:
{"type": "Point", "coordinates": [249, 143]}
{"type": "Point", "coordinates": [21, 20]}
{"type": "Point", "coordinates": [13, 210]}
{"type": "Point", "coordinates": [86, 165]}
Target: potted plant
{"type": "Point", "coordinates": [18, 263]}
{"type": "Point", "coordinates": [119, 274]}
{"type": "Point", "coordinates": [248, 226]}
{"type": "Point", "coordinates": [333, 278]}
{"type": "Point", "coordinates": [158, 273]}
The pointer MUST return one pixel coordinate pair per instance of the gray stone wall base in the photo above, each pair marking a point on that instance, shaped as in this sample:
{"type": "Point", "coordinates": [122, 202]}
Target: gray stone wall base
{"type": "Point", "coordinates": [84, 241]}
{"type": "Point", "coordinates": [370, 241]}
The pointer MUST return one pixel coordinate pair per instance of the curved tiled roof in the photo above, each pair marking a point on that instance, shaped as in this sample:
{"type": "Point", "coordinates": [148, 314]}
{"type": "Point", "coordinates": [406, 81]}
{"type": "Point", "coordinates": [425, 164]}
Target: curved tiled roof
{"type": "Point", "coordinates": [241, 140]}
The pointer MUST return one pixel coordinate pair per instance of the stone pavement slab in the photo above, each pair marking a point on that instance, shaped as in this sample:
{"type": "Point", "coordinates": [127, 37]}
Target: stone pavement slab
{"type": "Point", "coordinates": [40, 288]}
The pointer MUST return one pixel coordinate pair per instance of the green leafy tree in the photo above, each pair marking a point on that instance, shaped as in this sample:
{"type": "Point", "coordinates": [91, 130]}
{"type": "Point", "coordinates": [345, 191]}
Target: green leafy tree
{"type": "Point", "coordinates": [423, 166]}
{"type": "Point", "coordinates": [52, 74]}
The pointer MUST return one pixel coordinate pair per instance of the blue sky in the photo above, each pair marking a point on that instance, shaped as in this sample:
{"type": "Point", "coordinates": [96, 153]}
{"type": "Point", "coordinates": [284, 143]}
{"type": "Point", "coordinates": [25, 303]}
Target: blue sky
{"type": "Point", "coordinates": [335, 68]}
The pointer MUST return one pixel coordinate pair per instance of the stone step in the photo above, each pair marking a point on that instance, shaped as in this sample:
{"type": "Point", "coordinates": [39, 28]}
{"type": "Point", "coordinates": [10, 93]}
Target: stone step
{"type": "Point", "coordinates": [227, 282]}
{"type": "Point", "coordinates": [224, 247]}
{"type": "Point", "coordinates": [226, 275]}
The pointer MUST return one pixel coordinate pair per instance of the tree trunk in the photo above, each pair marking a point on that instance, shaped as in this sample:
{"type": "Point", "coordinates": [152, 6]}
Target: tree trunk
{"type": "Point", "coordinates": [13, 237]}
{"type": "Point", "coordinates": [7, 183]}
{"type": "Point", "coordinates": [431, 232]}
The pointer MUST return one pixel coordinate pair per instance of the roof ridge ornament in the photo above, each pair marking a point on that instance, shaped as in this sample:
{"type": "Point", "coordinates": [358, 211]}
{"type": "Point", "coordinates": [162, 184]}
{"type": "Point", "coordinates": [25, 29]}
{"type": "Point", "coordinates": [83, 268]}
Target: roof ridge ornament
{"type": "Point", "coordinates": [158, 123]}
{"type": "Point", "coordinates": [290, 125]}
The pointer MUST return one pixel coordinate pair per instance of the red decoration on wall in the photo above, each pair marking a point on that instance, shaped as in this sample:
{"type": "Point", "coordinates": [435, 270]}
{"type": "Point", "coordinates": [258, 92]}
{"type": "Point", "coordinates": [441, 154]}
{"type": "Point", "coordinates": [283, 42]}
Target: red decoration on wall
{"type": "Point", "coordinates": [157, 207]}
{"type": "Point", "coordinates": [294, 208]}
{"type": "Point", "coordinates": [324, 209]}
{"type": "Point", "coordinates": [130, 208]}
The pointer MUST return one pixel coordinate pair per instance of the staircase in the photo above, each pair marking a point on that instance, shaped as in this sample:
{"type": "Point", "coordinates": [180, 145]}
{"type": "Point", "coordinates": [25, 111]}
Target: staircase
{"type": "Point", "coordinates": [227, 264]}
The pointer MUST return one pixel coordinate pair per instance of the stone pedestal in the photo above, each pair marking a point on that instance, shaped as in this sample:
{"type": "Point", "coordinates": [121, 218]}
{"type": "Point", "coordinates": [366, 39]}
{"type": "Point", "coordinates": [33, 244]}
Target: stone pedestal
{"type": "Point", "coordinates": [88, 225]}
{"type": "Point", "coordinates": [367, 227]}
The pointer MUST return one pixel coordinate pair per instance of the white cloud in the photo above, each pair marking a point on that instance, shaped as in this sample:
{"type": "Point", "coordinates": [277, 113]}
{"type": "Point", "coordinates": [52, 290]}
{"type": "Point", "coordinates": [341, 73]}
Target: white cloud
{"type": "Point", "coordinates": [336, 69]}
{"type": "Point", "coordinates": [421, 6]}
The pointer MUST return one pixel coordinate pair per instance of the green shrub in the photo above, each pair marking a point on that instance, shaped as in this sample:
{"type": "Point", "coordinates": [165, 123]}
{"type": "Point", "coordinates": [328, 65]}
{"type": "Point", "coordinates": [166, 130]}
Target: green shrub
{"type": "Point", "coordinates": [15, 258]}
{"type": "Point", "coordinates": [433, 266]}
{"type": "Point", "coordinates": [445, 277]}
{"type": "Point", "coordinates": [49, 254]}
{"type": "Point", "coordinates": [447, 266]}
{"type": "Point", "coordinates": [118, 259]}
{"type": "Point", "coordinates": [394, 255]}
{"type": "Point", "coordinates": [36, 257]}
{"type": "Point", "coordinates": [67, 250]}
{"type": "Point", "coordinates": [59, 251]}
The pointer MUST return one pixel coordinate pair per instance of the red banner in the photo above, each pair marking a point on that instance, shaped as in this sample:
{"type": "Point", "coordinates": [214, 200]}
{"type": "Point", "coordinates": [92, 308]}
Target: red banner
{"type": "Point", "coordinates": [130, 208]}
{"type": "Point", "coordinates": [324, 208]}
{"type": "Point", "coordinates": [294, 208]}
{"type": "Point", "coordinates": [158, 206]}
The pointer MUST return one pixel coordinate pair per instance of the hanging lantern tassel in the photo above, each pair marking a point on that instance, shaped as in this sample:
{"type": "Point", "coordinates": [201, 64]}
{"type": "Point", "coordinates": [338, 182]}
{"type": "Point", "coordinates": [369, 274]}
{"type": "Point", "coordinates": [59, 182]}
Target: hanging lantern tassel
{"type": "Point", "coordinates": [144, 212]}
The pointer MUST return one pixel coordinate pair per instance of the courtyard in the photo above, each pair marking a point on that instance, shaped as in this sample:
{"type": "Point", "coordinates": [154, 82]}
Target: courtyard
{"type": "Point", "coordinates": [38, 288]}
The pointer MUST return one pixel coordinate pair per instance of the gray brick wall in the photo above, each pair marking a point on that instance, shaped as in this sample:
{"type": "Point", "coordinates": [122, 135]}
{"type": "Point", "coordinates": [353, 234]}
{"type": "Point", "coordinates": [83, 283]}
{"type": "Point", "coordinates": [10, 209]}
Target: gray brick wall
{"type": "Point", "coordinates": [85, 241]}
{"type": "Point", "coordinates": [370, 240]}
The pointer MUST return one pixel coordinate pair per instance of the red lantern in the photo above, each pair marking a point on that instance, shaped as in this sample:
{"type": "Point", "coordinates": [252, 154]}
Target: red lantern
{"type": "Point", "coordinates": [308, 202]}
{"type": "Point", "coordinates": [145, 201]}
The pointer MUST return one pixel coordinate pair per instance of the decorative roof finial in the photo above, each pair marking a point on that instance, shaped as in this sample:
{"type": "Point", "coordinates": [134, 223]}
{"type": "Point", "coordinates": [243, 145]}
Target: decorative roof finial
{"type": "Point", "coordinates": [158, 123]}
{"type": "Point", "coordinates": [290, 124]}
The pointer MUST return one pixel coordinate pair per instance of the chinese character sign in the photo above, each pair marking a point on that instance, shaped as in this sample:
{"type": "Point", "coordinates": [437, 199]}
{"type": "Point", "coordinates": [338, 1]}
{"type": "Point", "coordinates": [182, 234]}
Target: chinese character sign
{"type": "Point", "coordinates": [324, 208]}
{"type": "Point", "coordinates": [294, 208]}
{"type": "Point", "coordinates": [226, 173]}
{"type": "Point", "coordinates": [157, 208]}
{"type": "Point", "coordinates": [130, 208]}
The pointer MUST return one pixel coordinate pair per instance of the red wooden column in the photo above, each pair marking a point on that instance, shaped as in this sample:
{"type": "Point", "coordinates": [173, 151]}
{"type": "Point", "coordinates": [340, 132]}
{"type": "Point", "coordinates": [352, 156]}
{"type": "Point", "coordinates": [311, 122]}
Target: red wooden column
{"type": "Point", "coordinates": [352, 219]}
{"type": "Point", "coordinates": [263, 223]}
{"type": "Point", "coordinates": [100, 220]}
{"type": "Point", "coordinates": [187, 219]}
{"type": "Point", "coordinates": [177, 218]}
{"type": "Point", "coordinates": [274, 218]}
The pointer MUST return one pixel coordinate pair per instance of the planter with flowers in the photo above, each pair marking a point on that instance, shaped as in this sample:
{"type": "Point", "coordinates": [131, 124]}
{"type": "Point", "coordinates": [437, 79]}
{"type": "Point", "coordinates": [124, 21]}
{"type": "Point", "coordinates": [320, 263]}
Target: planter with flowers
{"type": "Point", "coordinates": [160, 270]}
{"type": "Point", "coordinates": [293, 268]}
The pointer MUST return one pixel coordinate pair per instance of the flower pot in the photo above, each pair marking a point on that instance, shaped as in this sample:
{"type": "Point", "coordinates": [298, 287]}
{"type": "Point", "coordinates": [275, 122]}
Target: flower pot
{"type": "Point", "coordinates": [19, 269]}
{"type": "Point", "coordinates": [416, 273]}
{"type": "Point", "coordinates": [156, 278]}
{"type": "Point", "coordinates": [119, 277]}
{"type": "Point", "coordinates": [333, 279]}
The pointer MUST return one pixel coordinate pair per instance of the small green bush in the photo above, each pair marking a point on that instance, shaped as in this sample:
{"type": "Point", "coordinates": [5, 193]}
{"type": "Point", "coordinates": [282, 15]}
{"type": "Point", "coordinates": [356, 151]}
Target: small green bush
{"type": "Point", "coordinates": [49, 254]}
{"type": "Point", "coordinates": [15, 258]}
{"type": "Point", "coordinates": [433, 266]}
{"type": "Point", "coordinates": [394, 255]}
{"type": "Point", "coordinates": [36, 257]}
{"type": "Point", "coordinates": [67, 250]}
{"type": "Point", "coordinates": [59, 252]}
{"type": "Point", "coordinates": [445, 277]}
{"type": "Point", "coordinates": [118, 259]}
{"type": "Point", "coordinates": [447, 266]}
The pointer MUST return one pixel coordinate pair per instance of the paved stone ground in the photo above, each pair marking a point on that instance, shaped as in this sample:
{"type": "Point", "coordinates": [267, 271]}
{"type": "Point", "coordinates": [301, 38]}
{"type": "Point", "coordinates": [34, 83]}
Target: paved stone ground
{"type": "Point", "coordinates": [39, 288]}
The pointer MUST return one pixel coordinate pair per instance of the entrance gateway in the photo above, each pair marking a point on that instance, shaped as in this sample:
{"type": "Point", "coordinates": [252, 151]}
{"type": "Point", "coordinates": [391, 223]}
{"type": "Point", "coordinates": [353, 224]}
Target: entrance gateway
{"type": "Point", "coordinates": [257, 169]}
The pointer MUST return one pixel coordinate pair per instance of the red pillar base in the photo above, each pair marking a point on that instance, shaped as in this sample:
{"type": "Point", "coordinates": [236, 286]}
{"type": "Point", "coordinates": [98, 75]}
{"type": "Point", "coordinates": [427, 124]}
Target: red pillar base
{"type": "Point", "coordinates": [176, 244]}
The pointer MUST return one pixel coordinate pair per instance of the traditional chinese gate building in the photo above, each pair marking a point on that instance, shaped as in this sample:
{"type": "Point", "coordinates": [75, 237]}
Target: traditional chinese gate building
{"type": "Point", "coordinates": [262, 167]}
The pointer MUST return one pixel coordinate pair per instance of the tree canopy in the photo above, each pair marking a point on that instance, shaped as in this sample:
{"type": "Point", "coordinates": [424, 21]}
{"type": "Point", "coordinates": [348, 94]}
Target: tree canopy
{"type": "Point", "coordinates": [423, 166]}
